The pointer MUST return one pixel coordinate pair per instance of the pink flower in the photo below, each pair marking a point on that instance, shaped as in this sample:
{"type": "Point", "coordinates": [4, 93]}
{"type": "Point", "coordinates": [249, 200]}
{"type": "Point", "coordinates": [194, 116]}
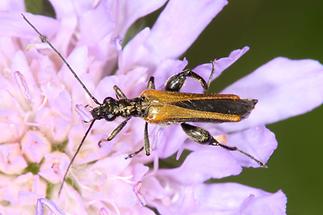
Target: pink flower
{"type": "Point", "coordinates": [39, 95]}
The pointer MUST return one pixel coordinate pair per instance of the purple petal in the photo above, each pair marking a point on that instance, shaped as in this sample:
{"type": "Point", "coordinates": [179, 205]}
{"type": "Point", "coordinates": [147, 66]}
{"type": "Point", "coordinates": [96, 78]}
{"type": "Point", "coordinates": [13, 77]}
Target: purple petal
{"type": "Point", "coordinates": [284, 88]}
{"type": "Point", "coordinates": [134, 53]}
{"type": "Point", "coordinates": [267, 204]}
{"type": "Point", "coordinates": [95, 24]}
{"type": "Point", "coordinates": [204, 70]}
{"type": "Point", "coordinates": [232, 198]}
{"type": "Point", "coordinates": [133, 10]}
{"type": "Point", "coordinates": [202, 165]}
{"type": "Point", "coordinates": [259, 142]}
{"type": "Point", "coordinates": [166, 69]}
{"type": "Point", "coordinates": [224, 199]}
{"type": "Point", "coordinates": [63, 30]}
{"type": "Point", "coordinates": [112, 17]}
{"type": "Point", "coordinates": [63, 9]}
{"type": "Point", "coordinates": [79, 61]}
{"type": "Point", "coordinates": [12, 5]}
{"type": "Point", "coordinates": [132, 87]}
{"type": "Point", "coordinates": [12, 24]}
{"type": "Point", "coordinates": [167, 139]}
{"type": "Point", "coordinates": [220, 64]}
{"type": "Point", "coordinates": [49, 204]}
{"type": "Point", "coordinates": [171, 36]}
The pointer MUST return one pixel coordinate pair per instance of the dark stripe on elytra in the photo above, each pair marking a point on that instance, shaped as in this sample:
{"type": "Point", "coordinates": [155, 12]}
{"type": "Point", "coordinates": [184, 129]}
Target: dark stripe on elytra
{"type": "Point", "coordinates": [241, 107]}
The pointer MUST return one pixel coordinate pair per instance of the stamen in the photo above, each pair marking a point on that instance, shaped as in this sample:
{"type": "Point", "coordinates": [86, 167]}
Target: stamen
{"type": "Point", "coordinates": [23, 86]}
{"type": "Point", "coordinates": [84, 113]}
{"type": "Point", "coordinates": [49, 204]}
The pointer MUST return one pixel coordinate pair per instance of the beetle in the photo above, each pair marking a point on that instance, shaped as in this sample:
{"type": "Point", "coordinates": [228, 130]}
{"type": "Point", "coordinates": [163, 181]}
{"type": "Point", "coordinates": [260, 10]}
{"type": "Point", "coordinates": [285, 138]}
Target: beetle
{"type": "Point", "coordinates": [166, 107]}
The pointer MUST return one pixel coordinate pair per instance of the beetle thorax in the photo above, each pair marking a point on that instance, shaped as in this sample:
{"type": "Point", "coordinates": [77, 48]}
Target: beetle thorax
{"type": "Point", "coordinates": [111, 108]}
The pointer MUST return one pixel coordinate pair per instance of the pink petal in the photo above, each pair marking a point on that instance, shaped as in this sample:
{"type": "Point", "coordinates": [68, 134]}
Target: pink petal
{"type": "Point", "coordinates": [35, 140]}
{"type": "Point", "coordinates": [284, 88]}
{"type": "Point", "coordinates": [90, 150]}
{"type": "Point", "coordinates": [23, 87]}
{"type": "Point", "coordinates": [25, 81]}
{"type": "Point", "coordinates": [11, 159]}
{"type": "Point", "coordinates": [19, 63]}
{"type": "Point", "coordinates": [179, 24]}
{"type": "Point", "coordinates": [202, 165]}
{"type": "Point", "coordinates": [111, 165]}
{"type": "Point", "coordinates": [12, 123]}
{"type": "Point", "coordinates": [70, 201]}
{"type": "Point", "coordinates": [26, 189]}
{"type": "Point", "coordinates": [139, 171]}
{"type": "Point", "coordinates": [59, 100]}
{"type": "Point", "coordinates": [52, 124]}
{"type": "Point", "coordinates": [116, 175]}
{"type": "Point", "coordinates": [8, 49]}
{"type": "Point", "coordinates": [54, 166]}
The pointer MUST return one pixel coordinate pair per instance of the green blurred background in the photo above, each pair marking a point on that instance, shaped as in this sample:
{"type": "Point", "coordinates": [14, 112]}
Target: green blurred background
{"type": "Point", "coordinates": [275, 28]}
{"type": "Point", "coordinates": [271, 28]}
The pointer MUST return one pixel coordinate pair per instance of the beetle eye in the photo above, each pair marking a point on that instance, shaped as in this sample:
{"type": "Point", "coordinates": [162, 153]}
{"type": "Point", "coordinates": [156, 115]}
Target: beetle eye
{"type": "Point", "coordinates": [110, 117]}
{"type": "Point", "coordinates": [108, 100]}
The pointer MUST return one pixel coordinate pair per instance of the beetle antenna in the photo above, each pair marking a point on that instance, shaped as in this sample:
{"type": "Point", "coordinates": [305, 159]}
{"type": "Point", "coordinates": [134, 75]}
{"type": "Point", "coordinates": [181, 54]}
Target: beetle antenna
{"type": "Point", "coordinates": [233, 148]}
{"type": "Point", "coordinates": [44, 39]}
{"type": "Point", "coordinates": [74, 156]}
{"type": "Point", "coordinates": [211, 73]}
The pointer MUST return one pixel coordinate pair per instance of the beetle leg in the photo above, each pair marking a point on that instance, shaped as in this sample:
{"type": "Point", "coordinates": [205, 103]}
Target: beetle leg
{"type": "Point", "coordinates": [198, 134]}
{"type": "Point", "coordinates": [146, 140]}
{"type": "Point", "coordinates": [202, 136]}
{"type": "Point", "coordinates": [151, 83]}
{"type": "Point", "coordinates": [211, 73]}
{"type": "Point", "coordinates": [119, 93]}
{"type": "Point", "coordinates": [115, 131]}
{"type": "Point", "coordinates": [176, 82]}
{"type": "Point", "coordinates": [146, 144]}
{"type": "Point", "coordinates": [134, 153]}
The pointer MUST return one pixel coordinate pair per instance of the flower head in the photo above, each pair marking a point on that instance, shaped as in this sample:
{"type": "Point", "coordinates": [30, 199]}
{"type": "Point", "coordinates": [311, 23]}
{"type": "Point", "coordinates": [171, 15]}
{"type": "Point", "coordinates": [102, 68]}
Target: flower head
{"type": "Point", "coordinates": [39, 95]}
